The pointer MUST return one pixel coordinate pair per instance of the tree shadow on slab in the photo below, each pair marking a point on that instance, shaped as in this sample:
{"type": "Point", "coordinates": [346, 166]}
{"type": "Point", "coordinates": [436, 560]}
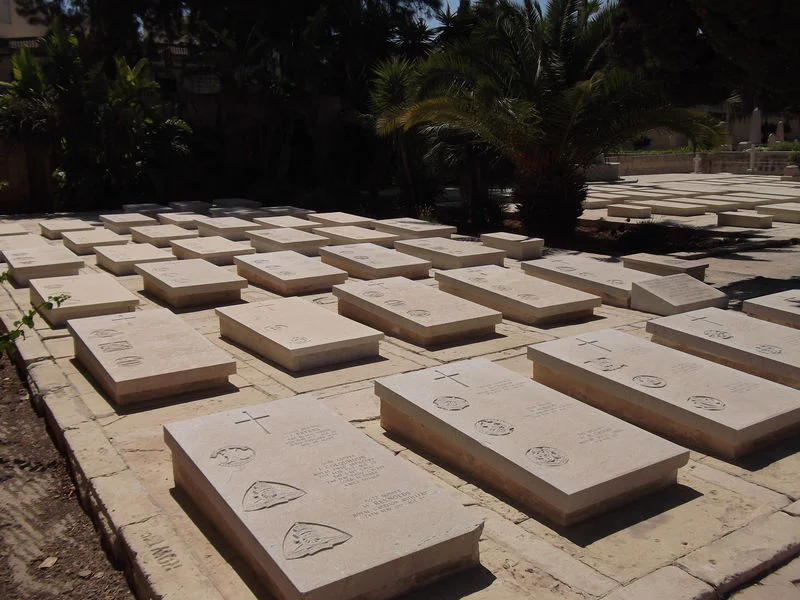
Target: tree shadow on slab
{"type": "Point", "coordinates": [745, 289]}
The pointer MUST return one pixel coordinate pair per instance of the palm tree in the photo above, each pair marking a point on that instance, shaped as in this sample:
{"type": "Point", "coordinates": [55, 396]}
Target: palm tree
{"type": "Point", "coordinates": [536, 86]}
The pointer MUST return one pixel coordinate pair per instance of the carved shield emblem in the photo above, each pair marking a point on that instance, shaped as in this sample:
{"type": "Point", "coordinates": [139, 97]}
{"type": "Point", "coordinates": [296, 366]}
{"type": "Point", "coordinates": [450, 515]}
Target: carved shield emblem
{"type": "Point", "coordinates": [266, 494]}
{"type": "Point", "coordinates": [452, 403]}
{"type": "Point", "coordinates": [233, 456]}
{"type": "Point", "coordinates": [547, 456]}
{"type": "Point", "coordinates": [305, 539]}
{"type": "Point", "coordinates": [769, 349]}
{"type": "Point", "coordinates": [707, 403]}
{"type": "Point", "coordinates": [494, 427]}
{"type": "Point", "coordinates": [650, 381]}
{"type": "Point", "coordinates": [604, 364]}
{"type": "Point", "coordinates": [717, 334]}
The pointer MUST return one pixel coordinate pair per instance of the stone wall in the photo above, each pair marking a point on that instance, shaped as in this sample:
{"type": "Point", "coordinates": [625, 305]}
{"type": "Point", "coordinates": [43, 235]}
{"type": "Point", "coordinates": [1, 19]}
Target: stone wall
{"type": "Point", "coordinates": [768, 163]}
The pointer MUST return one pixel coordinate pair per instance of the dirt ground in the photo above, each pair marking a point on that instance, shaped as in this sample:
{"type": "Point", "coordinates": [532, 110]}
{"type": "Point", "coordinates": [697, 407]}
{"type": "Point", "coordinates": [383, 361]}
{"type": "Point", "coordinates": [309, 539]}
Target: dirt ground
{"type": "Point", "coordinates": [40, 517]}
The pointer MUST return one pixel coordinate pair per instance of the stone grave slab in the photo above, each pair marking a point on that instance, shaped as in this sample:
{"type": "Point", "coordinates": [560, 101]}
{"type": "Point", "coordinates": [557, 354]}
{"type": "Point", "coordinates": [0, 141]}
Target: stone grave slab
{"type": "Point", "coordinates": [677, 209]}
{"type": "Point", "coordinates": [338, 219]}
{"type": "Point", "coordinates": [216, 250]}
{"type": "Point", "coordinates": [235, 202]}
{"type": "Point", "coordinates": [368, 261]}
{"type": "Point", "coordinates": [407, 228]}
{"type": "Point", "coordinates": [84, 242]}
{"type": "Point", "coordinates": [665, 265]}
{"type": "Point", "coordinates": [611, 281]}
{"type": "Point", "coordinates": [120, 260]}
{"type": "Point", "coordinates": [13, 229]}
{"type": "Point", "coordinates": [41, 261]}
{"type": "Point", "coordinates": [122, 223]}
{"type": "Point", "coordinates": [232, 228]}
{"type": "Point", "coordinates": [782, 308]}
{"type": "Point", "coordinates": [703, 404]}
{"type": "Point", "coordinates": [195, 206]}
{"type": "Point", "coordinates": [351, 234]}
{"type": "Point", "coordinates": [160, 236]}
{"type": "Point", "coordinates": [514, 245]}
{"type": "Point", "coordinates": [592, 203]}
{"type": "Point", "coordinates": [734, 339]}
{"type": "Point", "coordinates": [287, 272]}
{"type": "Point", "coordinates": [732, 202]}
{"type": "Point", "coordinates": [772, 190]}
{"type": "Point", "coordinates": [444, 253]}
{"type": "Point", "coordinates": [518, 296]}
{"type": "Point", "coordinates": [414, 311]}
{"type": "Point", "coordinates": [187, 220]}
{"type": "Point", "coordinates": [297, 334]}
{"type": "Point", "coordinates": [750, 220]}
{"type": "Point", "coordinates": [714, 206]}
{"type": "Point", "coordinates": [192, 282]}
{"type": "Point", "coordinates": [754, 200]}
{"type": "Point", "coordinates": [286, 221]}
{"type": "Point", "coordinates": [20, 242]}
{"type": "Point", "coordinates": [148, 209]}
{"type": "Point", "coordinates": [148, 354]}
{"type": "Point", "coordinates": [309, 501]}
{"type": "Point", "coordinates": [675, 294]}
{"type": "Point", "coordinates": [552, 454]}
{"type": "Point", "coordinates": [273, 240]}
{"type": "Point", "coordinates": [287, 211]}
{"type": "Point", "coordinates": [239, 212]}
{"type": "Point", "coordinates": [784, 212]}
{"type": "Point", "coordinates": [629, 210]}
{"type": "Point", "coordinates": [90, 295]}
{"type": "Point", "coordinates": [53, 228]}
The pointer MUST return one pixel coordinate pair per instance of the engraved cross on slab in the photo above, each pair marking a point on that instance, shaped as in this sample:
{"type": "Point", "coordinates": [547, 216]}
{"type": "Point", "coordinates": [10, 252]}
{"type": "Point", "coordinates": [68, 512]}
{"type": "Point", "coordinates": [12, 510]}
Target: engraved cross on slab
{"type": "Point", "coordinates": [450, 376]}
{"type": "Point", "coordinates": [251, 419]}
{"type": "Point", "coordinates": [592, 343]}
{"type": "Point", "coordinates": [706, 319]}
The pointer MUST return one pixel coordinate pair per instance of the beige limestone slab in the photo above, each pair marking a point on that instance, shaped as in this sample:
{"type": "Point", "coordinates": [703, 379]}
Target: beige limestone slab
{"type": "Point", "coordinates": [664, 207]}
{"type": "Point", "coordinates": [744, 219]}
{"type": "Point", "coordinates": [667, 582]}
{"type": "Point", "coordinates": [782, 308]}
{"type": "Point", "coordinates": [675, 294]}
{"type": "Point", "coordinates": [286, 238]}
{"type": "Point", "coordinates": [734, 202]}
{"type": "Point", "coordinates": [148, 354]}
{"type": "Point", "coordinates": [90, 295]}
{"type": "Point", "coordinates": [407, 228]}
{"type": "Point", "coordinates": [784, 212]}
{"type": "Point", "coordinates": [337, 219]}
{"type": "Point", "coordinates": [754, 200]}
{"type": "Point", "coordinates": [41, 261]}
{"type": "Point", "coordinates": [609, 280]}
{"type": "Point", "coordinates": [518, 296]}
{"type": "Point", "coordinates": [370, 261]}
{"type": "Point", "coordinates": [122, 223]}
{"type": "Point", "coordinates": [239, 212]}
{"type": "Point", "coordinates": [592, 203]}
{"type": "Point", "coordinates": [287, 211]}
{"type": "Point", "coordinates": [716, 205]}
{"type": "Point", "coordinates": [553, 454]}
{"type": "Point", "coordinates": [160, 236]}
{"type": "Point", "coordinates": [215, 249]}
{"type": "Point", "coordinates": [232, 228]}
{"type": "Point", "coordinates": [195, 206]}
{"type": "Point", "coordinates": [629, 210]}
{"type": "Point", "coordinates": [445, 253]}
{"type": "Point", "coordinates": [191, 282]}
{"type": "Point", "coordinates": [352, 234]}
{"type": "Point", "coordinates": [414, 311]}
{"type": "Point", "coordinates": [297, 334]}
{"type": "Point", "coordinates": [13, 229]}
{"type": "Point", "coordinates": [235, 202]}
{"type": "Point", "coordinates": [665, 265]}
{"type": "Point", "coordinates": [516, 246]}
{"type": "Point", "coordinates": [84, 242]}
{"type": "Point", "coordinates": [286, 221]}
{"type": "Point", "coordinates": [288, 272]}
{"type": "Point", "coordinates": [734, 339]}
{"type": "Point", "coordinates": [314, 524]}
{"type": "Point", "coordinates": [53, 228]}
{"type": "Point", "coordinates": [149, 209]}
{"type": "Point", "coordinates": [187, 220]}
{"type": "Point", "coordinates": [772, 190]}
{"type": "Point", "coordinates": [120, 260]}
{"type": "Point", "coordinates": [701, 403]}
{"type": "Point", "coordinates": [20, 242]}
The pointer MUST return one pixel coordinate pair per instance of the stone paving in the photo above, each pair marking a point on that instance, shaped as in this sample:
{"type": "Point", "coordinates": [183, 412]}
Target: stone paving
{"type": "Point", "coordinates": [722, 528]}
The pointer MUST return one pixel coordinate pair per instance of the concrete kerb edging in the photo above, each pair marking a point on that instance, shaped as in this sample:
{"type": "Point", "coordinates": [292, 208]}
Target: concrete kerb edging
{"type": "Point", "coordinates": [137, 535]}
